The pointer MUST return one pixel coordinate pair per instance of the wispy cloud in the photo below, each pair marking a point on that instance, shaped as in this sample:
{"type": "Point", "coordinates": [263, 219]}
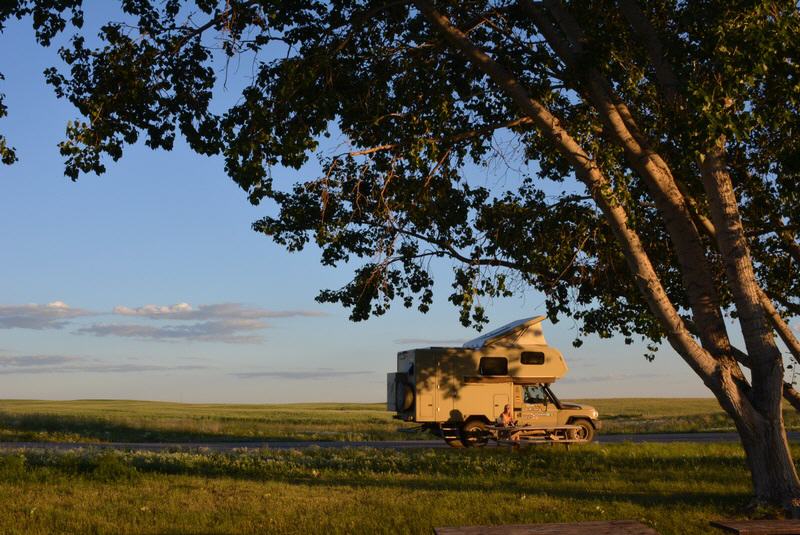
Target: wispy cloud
{"type": "Point", "coordinates": [221, 322]}
{"type": "Point", "coordinates": [185, 311]}
{"type": "Point", "coordinates": [35, 360]}
{"type": "Point", "coordinates": [429, 341]}
{"type": "Point", "coordinates": [55, 315]}
{"type": "Point", "coordinates": [228, 331]}
{"type": "Point", "coordinates": [56, 364]}
{"type": "Point", "coordinates": [232, 323]}
{"type": "Point", "coordinates": [611, 377]}
{"type": "Point", "coordinates": [316, 373]}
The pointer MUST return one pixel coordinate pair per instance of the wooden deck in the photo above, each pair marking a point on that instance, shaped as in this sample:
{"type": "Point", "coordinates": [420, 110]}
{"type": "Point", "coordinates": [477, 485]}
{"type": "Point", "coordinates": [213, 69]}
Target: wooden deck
{"type": "Point", "coordinates": [759, 527]}
{"type": "Point", "coordinates": [615, 527]}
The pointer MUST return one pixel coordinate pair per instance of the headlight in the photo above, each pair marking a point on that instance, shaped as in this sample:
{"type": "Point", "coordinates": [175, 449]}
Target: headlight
{"type": "Point", "coordinates": [595, 414]}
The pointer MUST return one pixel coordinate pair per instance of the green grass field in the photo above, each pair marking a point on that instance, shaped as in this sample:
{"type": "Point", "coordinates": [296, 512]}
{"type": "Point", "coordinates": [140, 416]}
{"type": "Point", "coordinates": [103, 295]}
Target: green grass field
{"type": "Point", "coordinates": [146, 421]}
{"type": "Point", "coordinates": [676, 488]}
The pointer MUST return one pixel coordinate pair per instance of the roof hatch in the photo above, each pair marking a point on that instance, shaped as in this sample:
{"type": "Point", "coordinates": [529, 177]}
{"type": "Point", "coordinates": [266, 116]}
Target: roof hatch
{"type": "Point", "coordinates": [524, 332]}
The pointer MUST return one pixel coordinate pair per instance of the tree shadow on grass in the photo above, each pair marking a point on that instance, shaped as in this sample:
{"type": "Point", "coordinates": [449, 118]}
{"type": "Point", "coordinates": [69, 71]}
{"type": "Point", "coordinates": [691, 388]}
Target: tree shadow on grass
{"type": "Point", "coordinates": [37, 427]}
{"type": "Point", "coordinates": [552, 481]}
{"type": "Point", "coordinates": [514, 489]}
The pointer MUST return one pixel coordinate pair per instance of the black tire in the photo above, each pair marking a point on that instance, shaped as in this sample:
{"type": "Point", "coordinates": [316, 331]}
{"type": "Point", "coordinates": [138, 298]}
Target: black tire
{"type": "Point", "coordinates": [585, 433]}
{"type": "Point", "coordinates": [404, 395]}
{"type": "Point", "coordinates": [474, 434]}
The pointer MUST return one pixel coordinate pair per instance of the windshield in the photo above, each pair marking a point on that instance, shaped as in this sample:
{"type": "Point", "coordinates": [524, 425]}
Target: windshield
{"type": "Point", "coordinates": [553, 397]}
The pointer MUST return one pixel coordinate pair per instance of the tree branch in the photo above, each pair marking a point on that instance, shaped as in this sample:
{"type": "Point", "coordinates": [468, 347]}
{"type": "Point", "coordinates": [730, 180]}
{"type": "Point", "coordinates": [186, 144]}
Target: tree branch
{"type": "Point", "coordinates": [790, 394]}
{"type": "Point", "coordinates": [665, 76]}
{"type": "Point", "coordinates": [456, 138]}
{"type": "Point", "coordinates": [766, 362]}
{"type": "Point", "coordinates": [669, 85]}
{"type": "Point", "coordinates": [654, 171]}
{"type": "Point", "coordinates": [599, 187]}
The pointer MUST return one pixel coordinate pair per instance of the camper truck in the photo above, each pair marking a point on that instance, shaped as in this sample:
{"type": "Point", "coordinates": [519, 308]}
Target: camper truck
{"type": "Point", "coordinates": [458, 392]}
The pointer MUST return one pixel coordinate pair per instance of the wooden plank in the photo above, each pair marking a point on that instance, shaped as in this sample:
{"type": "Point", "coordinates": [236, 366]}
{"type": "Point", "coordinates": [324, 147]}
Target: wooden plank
{"type": "Point", "coordinates": [759, 527]}
{"type": "Point", "coordinates": [615, 527]}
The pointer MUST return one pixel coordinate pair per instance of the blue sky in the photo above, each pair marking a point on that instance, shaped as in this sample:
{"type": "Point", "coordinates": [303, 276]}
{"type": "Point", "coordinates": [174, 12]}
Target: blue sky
{"type": "Point", "coordinates": [148, 283]}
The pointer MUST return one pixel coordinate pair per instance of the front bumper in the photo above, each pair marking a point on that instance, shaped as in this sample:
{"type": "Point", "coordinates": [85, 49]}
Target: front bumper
{"type": "Point", "coordinates": [598, 425]}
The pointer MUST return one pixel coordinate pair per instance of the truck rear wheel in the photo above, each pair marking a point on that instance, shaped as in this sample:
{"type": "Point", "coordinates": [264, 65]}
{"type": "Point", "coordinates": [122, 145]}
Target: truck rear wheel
{"type": "Point", "coordinates": [586, 431]}
{"type": "Point", "coordinates": [474, 434]}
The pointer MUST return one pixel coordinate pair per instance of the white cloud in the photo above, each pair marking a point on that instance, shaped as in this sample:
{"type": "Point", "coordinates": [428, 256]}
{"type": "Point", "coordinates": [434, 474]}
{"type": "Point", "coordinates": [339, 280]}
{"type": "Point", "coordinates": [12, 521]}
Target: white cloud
{"type": "Point", "coordinates": [222, 322]}
{"type": "Point", "coordinates": [227, 331]}
{"type": "Point", "coordinates": [55, 315]}
{"type": "Point", "coordinates": [57, 364]}
{"type": "Point", "coordinates": [153, 310]}
{"type": "Point", "coordinates": [185, 311]}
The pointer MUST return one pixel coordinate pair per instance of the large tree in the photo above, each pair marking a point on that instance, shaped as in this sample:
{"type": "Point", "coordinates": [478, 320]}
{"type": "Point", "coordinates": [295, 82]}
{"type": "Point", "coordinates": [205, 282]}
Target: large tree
{"type": "Point", "coordinates": [652, 148]}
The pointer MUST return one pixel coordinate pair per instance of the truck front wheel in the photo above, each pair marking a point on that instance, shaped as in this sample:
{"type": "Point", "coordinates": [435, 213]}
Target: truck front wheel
{"type": "Point", "coordinates": [474, 434]}
{"type": "Point", "coordinates": [586, 431]}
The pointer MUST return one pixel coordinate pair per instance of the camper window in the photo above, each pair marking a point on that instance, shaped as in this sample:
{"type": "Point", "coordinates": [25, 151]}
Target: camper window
{"type": "Point", "coordinates": [493, 366]}
{"type": "Point", "coordinates": [532, 357]}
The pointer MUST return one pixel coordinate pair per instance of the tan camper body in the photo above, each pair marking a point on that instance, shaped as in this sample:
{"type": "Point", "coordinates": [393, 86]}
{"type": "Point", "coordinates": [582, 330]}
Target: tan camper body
{"type": "Point", "coordinates": [445, 387]}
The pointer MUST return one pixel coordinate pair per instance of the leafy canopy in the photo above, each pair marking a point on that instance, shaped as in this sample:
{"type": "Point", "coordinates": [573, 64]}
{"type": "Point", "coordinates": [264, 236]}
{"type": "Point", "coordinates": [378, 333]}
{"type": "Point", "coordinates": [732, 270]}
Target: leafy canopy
{"type": "Point", "coordinates": [418, 120]}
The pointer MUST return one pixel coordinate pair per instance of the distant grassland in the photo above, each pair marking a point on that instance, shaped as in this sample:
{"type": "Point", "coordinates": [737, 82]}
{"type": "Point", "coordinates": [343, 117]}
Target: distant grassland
{"type": "Point", "coordinates": [146, 421]}
{"type": "Point", "coordinates": [676, 488]}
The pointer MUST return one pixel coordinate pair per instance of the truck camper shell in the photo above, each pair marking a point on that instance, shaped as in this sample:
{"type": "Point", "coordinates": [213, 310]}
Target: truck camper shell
{"type": "Point", "coordinates": [444, 378]}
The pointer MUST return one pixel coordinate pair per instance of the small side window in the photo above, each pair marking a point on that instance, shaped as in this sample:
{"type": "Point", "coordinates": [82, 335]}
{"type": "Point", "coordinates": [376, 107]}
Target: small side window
{"type": "Point", "coordinates": [493, 366]}
{"type": "Point", "coordinates": [532, 357]}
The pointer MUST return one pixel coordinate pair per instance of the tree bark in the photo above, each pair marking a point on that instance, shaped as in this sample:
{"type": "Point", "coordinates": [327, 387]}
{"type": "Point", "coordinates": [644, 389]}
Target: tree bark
{"type": "Point", "coordinates": [769, 459]}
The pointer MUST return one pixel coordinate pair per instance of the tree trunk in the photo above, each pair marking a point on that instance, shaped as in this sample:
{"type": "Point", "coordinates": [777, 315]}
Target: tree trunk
{"type": "Point", "coordinates": [770, 462]}
{"type": "Point", "coordinates": [763, 439]}
{"type": "Point", "coordinates": [760, 421]}
{"type": "Point", "coordinates": [755, 411]}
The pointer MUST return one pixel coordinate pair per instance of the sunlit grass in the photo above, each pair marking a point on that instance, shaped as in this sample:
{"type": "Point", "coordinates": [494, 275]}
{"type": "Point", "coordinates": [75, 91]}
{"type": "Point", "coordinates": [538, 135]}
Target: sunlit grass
{"type": "Point", "coordinates": [670, 415]}
{"type": "Point", "coordinates": [676, 488]}
{"type": "Point", "coordinates": [143, 421]}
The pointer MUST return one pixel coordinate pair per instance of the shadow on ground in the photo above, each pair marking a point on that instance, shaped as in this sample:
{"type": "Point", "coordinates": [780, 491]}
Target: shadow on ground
{"type": "Point", "coordinates": [70, 428]}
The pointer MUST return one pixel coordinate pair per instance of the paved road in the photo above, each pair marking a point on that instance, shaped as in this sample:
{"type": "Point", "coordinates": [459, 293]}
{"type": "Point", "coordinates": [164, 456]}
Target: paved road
{"type": "Point", "coordinates": [379, 444]}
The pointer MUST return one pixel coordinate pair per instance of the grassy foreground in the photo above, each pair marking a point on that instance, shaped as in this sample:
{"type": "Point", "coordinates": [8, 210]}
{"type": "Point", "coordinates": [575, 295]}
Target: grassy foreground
{"type": "Point", "coordinates": [676, 488]}
{"type": "Point", "coordinates": [145, 421]}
